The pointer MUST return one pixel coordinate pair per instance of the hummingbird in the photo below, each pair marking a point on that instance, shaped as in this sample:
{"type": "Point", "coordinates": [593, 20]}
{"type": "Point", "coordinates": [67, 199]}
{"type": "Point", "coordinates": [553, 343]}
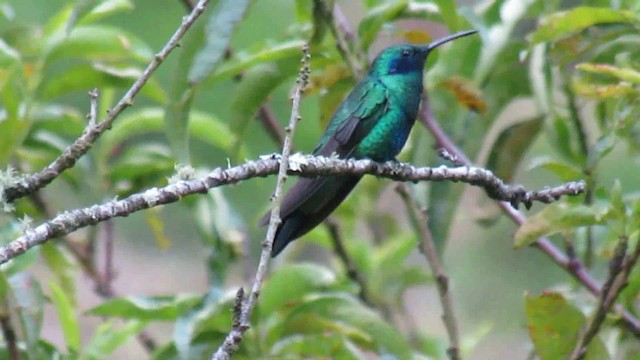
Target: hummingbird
{"type": "Point", "coordinates": [373, 122]}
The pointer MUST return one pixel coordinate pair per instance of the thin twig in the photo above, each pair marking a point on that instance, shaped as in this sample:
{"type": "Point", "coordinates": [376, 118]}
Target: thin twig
{"type": "Point", "coordinates": [620, 267]}
{"type": "Point", "coordinates": [428, 247]}
{"type": "Point", "coordinates": [304, 165]}
{"type": "Point", "coordinates": [93, 107]}
{"type": "Point", "coordinates": [80, 147]}
{"type": "Point", "coordinates": [241, 325]}
{"type": "Point", "coordinates": [347, 261]}
{"type": "Point", "coordinates": [345, 39]}
{"type": "Point", "coordinates": [573, 266]}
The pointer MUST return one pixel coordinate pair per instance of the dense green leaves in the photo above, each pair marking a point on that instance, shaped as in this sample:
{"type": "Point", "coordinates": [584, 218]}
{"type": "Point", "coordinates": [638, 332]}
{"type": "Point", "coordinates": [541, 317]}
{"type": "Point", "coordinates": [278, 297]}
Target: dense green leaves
{"type": "Point", "coordinates": [558, 25]}
{"type": "Point", "coordinates": [146, 308]}
{"type": "Point", "coordinates": [545, 86]}
{"type": "Point", "coordinates": [224, 18]}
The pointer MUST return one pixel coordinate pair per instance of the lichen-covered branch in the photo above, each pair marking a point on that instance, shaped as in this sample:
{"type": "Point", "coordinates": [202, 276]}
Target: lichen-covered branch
{"type": "Point", "coordinates": [81, 146]}
{"type": "Point", "coordinates": [303, 165]}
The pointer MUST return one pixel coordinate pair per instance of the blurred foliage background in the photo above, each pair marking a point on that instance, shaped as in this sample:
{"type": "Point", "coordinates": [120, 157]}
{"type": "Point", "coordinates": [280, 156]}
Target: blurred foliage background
{"type": "Point", "coordinates": [546, 93]}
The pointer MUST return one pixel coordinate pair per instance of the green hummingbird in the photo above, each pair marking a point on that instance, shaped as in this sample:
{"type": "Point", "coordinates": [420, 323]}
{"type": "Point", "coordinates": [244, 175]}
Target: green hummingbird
{"type": "Point", "coordinates": [373, 122]}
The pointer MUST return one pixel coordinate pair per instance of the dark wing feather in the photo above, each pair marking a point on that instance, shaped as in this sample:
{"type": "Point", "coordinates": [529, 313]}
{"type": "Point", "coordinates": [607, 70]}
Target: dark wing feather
{"type": "Point", "coordinates": [353, 120]}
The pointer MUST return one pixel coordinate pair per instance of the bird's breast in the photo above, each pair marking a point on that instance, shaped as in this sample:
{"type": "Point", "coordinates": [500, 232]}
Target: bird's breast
{"type": "Point", "coordinates": [388, 136]}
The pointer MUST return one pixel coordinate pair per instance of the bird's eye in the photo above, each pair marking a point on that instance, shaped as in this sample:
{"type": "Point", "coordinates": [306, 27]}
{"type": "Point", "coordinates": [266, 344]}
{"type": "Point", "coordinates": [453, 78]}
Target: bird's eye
{"type": "Point", "coordinates": [406, 53]}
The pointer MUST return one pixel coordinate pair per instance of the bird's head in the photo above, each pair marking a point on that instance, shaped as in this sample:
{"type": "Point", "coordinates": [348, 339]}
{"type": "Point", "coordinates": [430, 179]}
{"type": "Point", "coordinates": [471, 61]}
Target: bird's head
{"type": "Point", "coordinates": [403, 59]}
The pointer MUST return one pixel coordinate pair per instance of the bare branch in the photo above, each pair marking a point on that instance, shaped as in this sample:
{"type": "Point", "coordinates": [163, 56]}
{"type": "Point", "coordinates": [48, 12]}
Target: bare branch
{"type": "Point", "coordinates": [620, 267]}
{"type": "Point", "coordinates": [80, 147]}
{"type": "Point", "coordinates": [573, 266]}
{"type": "Point", "coordinates": [347, 261]}
{"type": "Point", "coordinates": [238, 329]}
{"type": "Point", "coordinates": [303, 165]}
{"type": "Point", "coordinates": [428, 247]}
{"type": "Point", "coordinates": [345, 38]}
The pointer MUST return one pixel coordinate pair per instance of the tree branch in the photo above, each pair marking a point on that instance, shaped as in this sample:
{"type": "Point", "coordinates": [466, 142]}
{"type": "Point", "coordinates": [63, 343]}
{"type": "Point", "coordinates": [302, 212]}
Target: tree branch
{"type": "Point", "coordinates": [573, 266]}
{"type": "Point", "coordinates": [241, 323]}
{"type": "Point", "coordinates": [347, 261]}
{"type": "Point", "coordinates": [428, 248]}
{"type": "Point", "coordinates": [303, 165]}
{"type": "Point", "coordinates": [620, 267]}
{"type": "Point", "coordinates": [80, 147]}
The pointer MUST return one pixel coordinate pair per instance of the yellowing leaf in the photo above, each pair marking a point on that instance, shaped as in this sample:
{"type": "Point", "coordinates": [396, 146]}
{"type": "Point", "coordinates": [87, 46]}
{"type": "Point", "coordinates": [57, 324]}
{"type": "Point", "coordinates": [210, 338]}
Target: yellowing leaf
{"type": "Point", "coordinates": [556, 218]}
{"type": "Point", "coordinates": [624, 74]}
{"type": "Point", "coordinates": [327, 78]}
{"type": "Point", "coordinates": [561, 24]}
{"type": "Point", "coordinates": [466, 93]}
{"type": "Point", "coordinates": [602, 91]}
{"type": "Point", "coordinates": [415, 36]}
{"type": "Point", "coordinates": [157, 227]}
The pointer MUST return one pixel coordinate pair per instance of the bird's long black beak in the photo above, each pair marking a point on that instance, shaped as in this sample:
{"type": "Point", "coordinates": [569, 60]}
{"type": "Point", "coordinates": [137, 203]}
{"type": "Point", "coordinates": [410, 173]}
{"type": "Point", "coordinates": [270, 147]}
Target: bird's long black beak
{"type": "Point", "coordinates": [446, 39]}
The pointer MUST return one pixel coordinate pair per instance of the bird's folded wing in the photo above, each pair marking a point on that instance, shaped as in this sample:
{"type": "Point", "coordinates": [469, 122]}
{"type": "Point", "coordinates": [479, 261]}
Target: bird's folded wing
{"type": "Point", "coordinates": [355, 118]}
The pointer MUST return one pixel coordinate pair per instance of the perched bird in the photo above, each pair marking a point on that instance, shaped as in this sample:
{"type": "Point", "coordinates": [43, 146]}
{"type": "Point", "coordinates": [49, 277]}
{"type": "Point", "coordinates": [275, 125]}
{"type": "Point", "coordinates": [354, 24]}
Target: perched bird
{"type": "Point", "coordinates": [373, 122]}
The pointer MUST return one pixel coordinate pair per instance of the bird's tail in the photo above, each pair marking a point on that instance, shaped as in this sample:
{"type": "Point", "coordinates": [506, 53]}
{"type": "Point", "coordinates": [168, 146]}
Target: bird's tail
{"type": "Point", "coordinates": [310, 211]}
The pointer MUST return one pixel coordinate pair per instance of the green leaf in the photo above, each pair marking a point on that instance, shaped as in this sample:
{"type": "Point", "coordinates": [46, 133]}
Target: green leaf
{"type": "Point", "coordinates": [222, 228]}
{"type": "Point", "coordinates": [160, 308]}
{"type": "Point", "coordinates": [449, 15]}
{"type": "Point", "coordinates": [29, 307]}
{"type": "Point", "coordinates": [326, 346]}
{"type": "Point", "coordinates": [61, 267]}
{"type": "Point", "coordinates": [80, 9]}
{"type": "Point", "coordinates": [376, 17]}
{"type": "Point", "coordinates": [554, 325]}
{"type": "Point", "coordinates": [219, 30]}
{"type": "Point", "coordinates": [181, 95]}
{"type": "Point", "coordinates": [561, 24]}
{"type": "Point", "coordinates": [256, 86]}
{"type": "Point", "coordinates": [97, 43]}
{"type": "Point", "coordinates": [67, 317]}
{"type": "Point", "coordinates": [603, 147]}
{"type": "Point", "coordinates": [212, 315]}
{"type": "Point", "coordinates": [144, 160]}
{"type": "Point", "coordinates": [556, 218]}
{"type": "Point", "coordinates": [8, 56]}
{"type": "Point", "coordinates": [97, 75]}
{"type": "Point", "coordinates": [292, 282]}
{"type": "Point", "coordinates": [347, 316]}
{"type": "Point", "coordinates": [13, 126]}
{"type": "Point", "coordinates": [108, 338]}
{"type": "Point", "coordinates": [59, 119]}
{"type": "Point", "coordinates": [499, 36]}
{"type": "Point", "coordinates": [104, 9]}
{"type": "Point", "coordinates": [509, 147]}
{"type": "Point", "coordinates": [564, 171]}
{"type": "Point", "coordinates": [269, 52]}
{"type": "Point", "coordinates": [202, 126]}
{"type": "Point", "coordinates": [560, 137]}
